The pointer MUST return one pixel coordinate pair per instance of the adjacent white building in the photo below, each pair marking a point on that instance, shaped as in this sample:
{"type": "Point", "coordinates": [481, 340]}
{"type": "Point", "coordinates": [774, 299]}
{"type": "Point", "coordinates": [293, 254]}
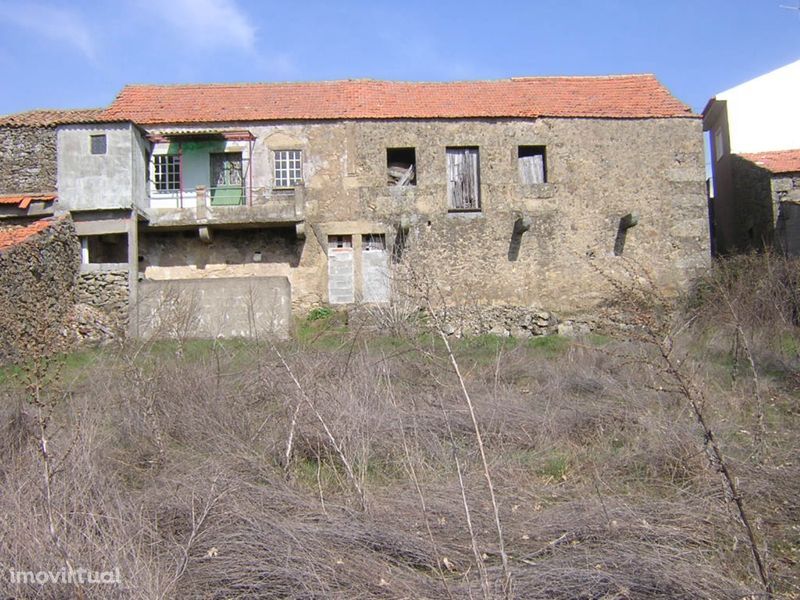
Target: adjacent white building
{"type": "Point", "coordinates": [759, 116]}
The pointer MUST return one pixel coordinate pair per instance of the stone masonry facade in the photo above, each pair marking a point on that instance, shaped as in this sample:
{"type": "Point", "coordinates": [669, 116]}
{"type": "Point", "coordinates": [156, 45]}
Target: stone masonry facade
{"type": "Point", "coordinates": [617, 185]}
{"type": "Point", "coordinates": [27, 159]}
{"type": "Point", "coordinates": [103, 297]}
{"type": "Point", "coordinates": [598, 171]}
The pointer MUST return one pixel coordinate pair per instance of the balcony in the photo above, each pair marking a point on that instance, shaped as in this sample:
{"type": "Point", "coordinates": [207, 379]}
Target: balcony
{"type": "Point", "coordinates": [228, 205]}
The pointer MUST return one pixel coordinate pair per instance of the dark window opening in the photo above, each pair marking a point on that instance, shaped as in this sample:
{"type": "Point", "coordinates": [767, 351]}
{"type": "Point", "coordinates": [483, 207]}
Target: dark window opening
{"type": "Point", "coordinates": [340, 241]}
{"type": "Point", "coordinates": [98, 143]}
{"type": "Point", "coordinates": [401, 166]}
{"type": "Point", "coordinates": [375, 241]}
{"type": "Point", "coordinates": [463, 179]}
{"type": "Point", "coordinates": [109, 248]}
{"type": "Point", "coordinates": [532, 165]}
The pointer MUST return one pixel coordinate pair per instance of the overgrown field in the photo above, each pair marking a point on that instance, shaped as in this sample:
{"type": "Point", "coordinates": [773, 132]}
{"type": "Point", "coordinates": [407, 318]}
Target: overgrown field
{"type": "Point", "coordinates": [347, 464]}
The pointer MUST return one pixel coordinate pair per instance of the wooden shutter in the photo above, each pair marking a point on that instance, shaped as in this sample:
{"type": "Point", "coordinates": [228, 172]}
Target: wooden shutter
{"type": "Point", "coordinates": [531, 169]}
{"type": "Point", "coordinates": [463, 184]}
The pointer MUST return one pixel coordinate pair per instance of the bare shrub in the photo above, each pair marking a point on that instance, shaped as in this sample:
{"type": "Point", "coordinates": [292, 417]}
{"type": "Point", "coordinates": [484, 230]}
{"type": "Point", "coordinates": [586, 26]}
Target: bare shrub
{"type": "Point", "coordinates": [171, 466]}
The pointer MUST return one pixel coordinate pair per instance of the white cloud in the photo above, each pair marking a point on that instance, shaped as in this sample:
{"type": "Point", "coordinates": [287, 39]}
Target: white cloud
{"type": "Point", "coordinates": [58, 24]}
{"type": "Point", "coordinates": [207, 22]}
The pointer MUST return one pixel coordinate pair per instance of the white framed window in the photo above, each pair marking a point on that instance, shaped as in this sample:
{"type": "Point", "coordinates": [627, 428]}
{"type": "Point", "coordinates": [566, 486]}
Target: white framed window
{"type": "Point", "coordinates": [288, 168]}
{"type": "Point", "coordinates": [166, 173]}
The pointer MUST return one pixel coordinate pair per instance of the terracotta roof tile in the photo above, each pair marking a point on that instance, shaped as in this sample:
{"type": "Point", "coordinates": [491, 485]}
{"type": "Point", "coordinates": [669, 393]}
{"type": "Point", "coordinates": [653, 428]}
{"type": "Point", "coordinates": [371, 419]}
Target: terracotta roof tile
{"type": "Point", "coordinates": [780, 161]}
{"type": "Point", "coordinates": [23, 200]}
{"type": "Point", "coordinates": [51, 118]}
{"type": "Point", "coordinates": [624, 96]}
{"type": "Point", "coordinates": [13, 235]}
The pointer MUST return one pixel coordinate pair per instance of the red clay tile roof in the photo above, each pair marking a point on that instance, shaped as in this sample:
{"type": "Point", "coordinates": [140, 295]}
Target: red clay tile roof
{"type": "Point", "coordinates": [624, 96]}
{"type": "Point", "coordinates": [780, 161]}
{"type": "Point", "coordinates": [51, 118]}
{"type": "Point", "coordinates": [13, 235]}
{"type": "Point", "coordinates": [23, 200]}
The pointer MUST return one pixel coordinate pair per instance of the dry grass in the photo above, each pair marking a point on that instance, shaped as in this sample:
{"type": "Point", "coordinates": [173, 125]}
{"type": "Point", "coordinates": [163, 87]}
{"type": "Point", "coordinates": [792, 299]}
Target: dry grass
{"type": "Point", "coordinates": [171, 467]}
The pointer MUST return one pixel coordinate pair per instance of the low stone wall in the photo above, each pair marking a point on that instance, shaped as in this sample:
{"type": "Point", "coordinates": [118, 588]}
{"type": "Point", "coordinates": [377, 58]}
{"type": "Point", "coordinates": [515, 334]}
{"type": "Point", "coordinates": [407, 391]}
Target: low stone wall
{"type": "Point", "coordinates": [519, 322]}
{"type": "Point", "coordinates": [513, 321]}
{"type": "Point", "coordinates": [228, 307]}
{"type": "Point", "coordinates": [102, 310]}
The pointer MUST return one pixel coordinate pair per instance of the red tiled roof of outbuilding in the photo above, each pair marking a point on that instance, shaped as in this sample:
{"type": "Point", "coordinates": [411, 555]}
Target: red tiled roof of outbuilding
{"type": "Point", "coordinates": [618, 97]}
{"type": "Point", "coordinates": [23, 200]}
{"type": "Point", "coordinates": [13, 235]}
{"type": "Point", "coordinates": [51, 118]}
{"type": "Point", "coordinates": [778, 161]}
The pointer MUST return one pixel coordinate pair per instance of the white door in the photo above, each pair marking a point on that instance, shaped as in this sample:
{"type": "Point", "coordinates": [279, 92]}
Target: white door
{"type": "Point", "coordinates": [340, 269]}
{"type": "Point", "coordinates": [375, 268]}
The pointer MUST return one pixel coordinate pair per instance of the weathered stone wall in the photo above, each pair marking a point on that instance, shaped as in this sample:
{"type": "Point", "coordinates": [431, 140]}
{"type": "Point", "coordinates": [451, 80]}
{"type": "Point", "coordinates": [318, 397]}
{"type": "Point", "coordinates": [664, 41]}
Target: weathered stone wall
{"type": "Point", "coordinates": [786, 188]}
{"type": "Point", "coordinates": [27, 159]}
{"type": "Point", "coordinates": [598, 171]}
{"type": "Point", "coordinates": [37, 292]}
{"type": "Point", "coordinates": [751, 203]}
{"type": "Point", "coordinates": [786, 206]}
{"type": "Point", "coordinates": [102, 297]}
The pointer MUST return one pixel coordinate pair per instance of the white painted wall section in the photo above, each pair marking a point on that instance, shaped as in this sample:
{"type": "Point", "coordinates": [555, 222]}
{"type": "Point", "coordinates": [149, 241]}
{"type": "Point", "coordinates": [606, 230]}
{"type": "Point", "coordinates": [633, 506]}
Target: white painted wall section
{"type": "Point", "coordinates": [763, 113]}
{"type": "Point", "coordinates": [88, 181]}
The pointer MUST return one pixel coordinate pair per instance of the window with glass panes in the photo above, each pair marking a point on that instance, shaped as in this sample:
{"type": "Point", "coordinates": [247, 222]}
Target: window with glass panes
{"type": "Point", "coordinates": [288, 168]}
{"type": "Point", "coordinates": [166, 173]}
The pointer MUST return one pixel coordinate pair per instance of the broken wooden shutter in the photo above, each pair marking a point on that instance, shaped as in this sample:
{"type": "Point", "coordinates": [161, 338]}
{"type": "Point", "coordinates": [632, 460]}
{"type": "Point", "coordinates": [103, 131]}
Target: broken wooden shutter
{"type": "Point", "coordinates": [340, 269]}
{"type": "Point", "coordinates": [531, 169]}
{"type": "Point", "coordinates": [463, 185]}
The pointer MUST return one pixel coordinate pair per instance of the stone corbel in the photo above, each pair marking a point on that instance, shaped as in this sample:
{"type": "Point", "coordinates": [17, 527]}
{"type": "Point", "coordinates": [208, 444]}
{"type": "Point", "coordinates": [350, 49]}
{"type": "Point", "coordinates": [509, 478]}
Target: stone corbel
{"type": "Point", "coordinates": [205, 234]}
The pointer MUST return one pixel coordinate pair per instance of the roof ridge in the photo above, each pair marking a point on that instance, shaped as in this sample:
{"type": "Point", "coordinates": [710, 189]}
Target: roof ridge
{"type": "Point", "coordinates": [513, 78]}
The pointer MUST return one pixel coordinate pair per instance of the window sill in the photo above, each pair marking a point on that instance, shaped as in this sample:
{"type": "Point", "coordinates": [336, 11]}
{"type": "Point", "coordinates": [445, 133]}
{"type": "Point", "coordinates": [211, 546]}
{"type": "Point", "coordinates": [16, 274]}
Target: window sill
{"type": "Point", "coordinates": [537, 190]}
{"type": "Point", "coordinates": [470, 213]}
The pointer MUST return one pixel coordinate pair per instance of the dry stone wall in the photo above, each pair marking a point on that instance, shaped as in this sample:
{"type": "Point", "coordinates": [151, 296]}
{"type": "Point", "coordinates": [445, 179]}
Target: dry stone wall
{"type": "Point", "coordinates": [27, 159]}
{"type": "Point", "coordinates": [786, 205]}
{"type": "Point", "coordinates": [37, 293]}
{"type": "Point", "coordinates": [102, 311]}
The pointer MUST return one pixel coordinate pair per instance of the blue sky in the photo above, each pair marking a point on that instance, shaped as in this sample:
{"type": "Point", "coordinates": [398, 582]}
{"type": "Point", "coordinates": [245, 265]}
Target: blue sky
{"type": "Point", "coordinates": [76, 54]}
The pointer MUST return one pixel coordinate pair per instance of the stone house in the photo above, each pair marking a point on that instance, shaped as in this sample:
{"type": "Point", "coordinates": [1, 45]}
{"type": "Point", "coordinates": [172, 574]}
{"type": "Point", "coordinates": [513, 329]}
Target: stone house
{"type": "Point", "coordinates": [508, 193]}
{"type": "Point", "coordinates": [754, 132]}
{"type": "Point", "coordinates": [776, 177]}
